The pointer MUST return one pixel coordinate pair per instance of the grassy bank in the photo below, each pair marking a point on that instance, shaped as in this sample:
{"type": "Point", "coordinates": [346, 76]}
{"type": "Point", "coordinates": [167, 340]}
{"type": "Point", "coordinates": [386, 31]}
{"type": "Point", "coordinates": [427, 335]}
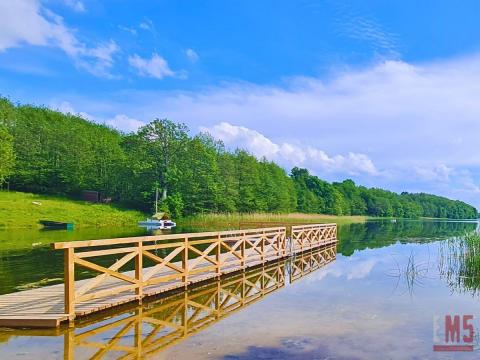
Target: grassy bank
{"type": "Point", "coordinates": [24, 210]}
{"type": "Point", "coordinates": [237, 220]}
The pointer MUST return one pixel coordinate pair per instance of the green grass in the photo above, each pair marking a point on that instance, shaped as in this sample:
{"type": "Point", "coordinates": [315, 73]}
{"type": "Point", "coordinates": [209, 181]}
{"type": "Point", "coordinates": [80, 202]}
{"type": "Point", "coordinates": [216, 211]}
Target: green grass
{"type": "Point", "coordinates": [18, 210]}
{"type": "Point", "coordinates": [265, 219]}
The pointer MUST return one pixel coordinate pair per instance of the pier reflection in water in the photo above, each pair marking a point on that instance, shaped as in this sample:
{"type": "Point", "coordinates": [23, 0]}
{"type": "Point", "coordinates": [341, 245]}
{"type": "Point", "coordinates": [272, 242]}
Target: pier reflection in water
{"type": "Point", "coordinates": [146, 330]}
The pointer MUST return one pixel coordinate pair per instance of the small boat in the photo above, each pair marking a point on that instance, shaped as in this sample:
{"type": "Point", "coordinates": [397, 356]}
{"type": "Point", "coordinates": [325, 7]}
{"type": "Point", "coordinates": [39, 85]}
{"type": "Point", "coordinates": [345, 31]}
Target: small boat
{"type": "Point", "coordinates": [157, 224]}
{"type": "Point", "coordinates": [159, 221]}
{"type": "Point", "coordinates": [48, 224]}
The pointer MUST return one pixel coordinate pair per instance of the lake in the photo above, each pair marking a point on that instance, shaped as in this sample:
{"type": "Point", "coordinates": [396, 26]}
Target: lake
{"type": "Point", "coordinates": [378, 299]}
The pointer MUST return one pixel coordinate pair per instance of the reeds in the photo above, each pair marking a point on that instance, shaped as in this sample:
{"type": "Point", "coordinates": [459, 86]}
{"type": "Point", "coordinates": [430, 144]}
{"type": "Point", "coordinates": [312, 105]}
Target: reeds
{"type": "Point", "coordinates": [459, 263]}
{"type": "Point", "coordinates": [239, 220]}
{"type": "Point", "coordinates": [411, 274]}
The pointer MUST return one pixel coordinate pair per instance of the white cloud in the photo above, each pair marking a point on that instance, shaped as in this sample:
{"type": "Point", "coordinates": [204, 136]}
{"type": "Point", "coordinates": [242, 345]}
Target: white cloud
{"type": "Point", "coordinates": [103, 59]}
{"type": "Point", "coordinates": [289, 154]}
{"type": "Point", "coordinates": [120, 121]}
{"type": "Point", "coordinates": [41, 27]}
{"type": "Point", "coordinates": [34, 28]}
{"type": "Point", "coordinates": [192, 55]}
{"type": "Point", "coordinates": [67, 108]}
{"type": "Point", "coordinates": [75, 5]}
{"type": "Point", "coordinates": [130, 30]}
{"type": "Point", "coordinates": [398, 114]}
{"type": "Point", "coordinates": [437, 173]}
{"type": "Point", "coordinates": [355, 25]}
{"type": "Point", "coordinates": [124, 123]}
{"type": "Point", "coordinates": [146, 25]}
{"type": "Point", "coordinates": [156, 67]}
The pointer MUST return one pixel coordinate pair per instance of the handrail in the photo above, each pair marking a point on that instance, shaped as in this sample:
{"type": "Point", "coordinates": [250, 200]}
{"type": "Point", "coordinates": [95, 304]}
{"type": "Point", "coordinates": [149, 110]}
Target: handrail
{"type": "Point", "coordinates": [184, 259]}
{"type": "Point", "coordinates": [137, 239]}
{"type": "Point", "coordinates": [306, 237]}
{"type": "Point", "coordinates": [313, 225]}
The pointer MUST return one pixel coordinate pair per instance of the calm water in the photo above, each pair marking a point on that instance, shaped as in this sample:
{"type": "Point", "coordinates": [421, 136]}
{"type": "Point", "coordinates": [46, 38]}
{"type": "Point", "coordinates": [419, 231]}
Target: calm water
{"type": "Point", "coordinates": [376, 300]}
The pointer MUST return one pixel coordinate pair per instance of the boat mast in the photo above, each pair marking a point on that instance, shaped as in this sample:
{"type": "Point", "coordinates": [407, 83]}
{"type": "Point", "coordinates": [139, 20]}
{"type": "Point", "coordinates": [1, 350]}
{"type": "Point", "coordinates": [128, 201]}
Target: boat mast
{"type": "Point", "coordinates": [156, 200]}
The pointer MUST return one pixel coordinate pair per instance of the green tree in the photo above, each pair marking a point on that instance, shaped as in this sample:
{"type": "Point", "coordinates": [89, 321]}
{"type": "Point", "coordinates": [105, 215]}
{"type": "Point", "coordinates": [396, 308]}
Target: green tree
{"type": "Point", "coordinates": [7, 156]}
{"type": "Point", "coordinates": [162, 144]}
{"type": "Point", "coordinates": [248, 178]}
{"type": "Point", "coordinates": [199, 176]}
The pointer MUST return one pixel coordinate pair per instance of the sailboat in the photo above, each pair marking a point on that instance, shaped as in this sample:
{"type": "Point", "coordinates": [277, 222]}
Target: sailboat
{"type": "Point", "coordinates": [159, 220]}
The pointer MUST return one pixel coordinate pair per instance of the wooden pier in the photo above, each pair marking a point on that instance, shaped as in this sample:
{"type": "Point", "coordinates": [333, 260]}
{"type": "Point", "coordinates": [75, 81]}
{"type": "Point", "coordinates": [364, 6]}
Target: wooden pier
{"type": "Point", "coordinates": [131, 269]}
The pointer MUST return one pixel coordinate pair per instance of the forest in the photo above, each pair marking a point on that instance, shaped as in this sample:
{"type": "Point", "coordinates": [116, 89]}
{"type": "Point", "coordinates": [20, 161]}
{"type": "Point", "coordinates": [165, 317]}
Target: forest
{"type": "Point", "coordinates": [48, 152]}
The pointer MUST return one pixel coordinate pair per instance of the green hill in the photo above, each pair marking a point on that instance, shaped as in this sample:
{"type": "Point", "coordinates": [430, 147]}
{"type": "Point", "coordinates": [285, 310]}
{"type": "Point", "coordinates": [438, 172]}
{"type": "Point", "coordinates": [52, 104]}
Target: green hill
{"type": "Point", "coordinates": [22, 210]}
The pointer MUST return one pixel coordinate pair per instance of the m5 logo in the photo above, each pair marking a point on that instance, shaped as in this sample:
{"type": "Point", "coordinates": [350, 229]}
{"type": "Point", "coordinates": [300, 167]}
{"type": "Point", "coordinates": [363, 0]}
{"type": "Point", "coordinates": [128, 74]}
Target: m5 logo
{"type": "Point", "coordinates": [458, 333]}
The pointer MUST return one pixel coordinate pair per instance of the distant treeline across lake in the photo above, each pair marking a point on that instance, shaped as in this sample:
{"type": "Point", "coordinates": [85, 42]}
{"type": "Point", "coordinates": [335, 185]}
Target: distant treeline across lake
{"type": "Point", "coordinates": [48, 152]}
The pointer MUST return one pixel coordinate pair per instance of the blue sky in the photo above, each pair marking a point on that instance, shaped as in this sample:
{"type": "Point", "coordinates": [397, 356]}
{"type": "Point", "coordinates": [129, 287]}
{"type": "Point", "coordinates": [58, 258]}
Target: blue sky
{"type": "Point", "coordinates": [383, 92]}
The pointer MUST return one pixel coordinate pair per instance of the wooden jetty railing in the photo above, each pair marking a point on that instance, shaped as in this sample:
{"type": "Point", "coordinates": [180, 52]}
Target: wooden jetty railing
{"type": "Point", "coordinates": [130, 269]}
{"type": "Point", "coordinates": [306, 237]}
{"type": "Point", "coordinates": [184, 259]}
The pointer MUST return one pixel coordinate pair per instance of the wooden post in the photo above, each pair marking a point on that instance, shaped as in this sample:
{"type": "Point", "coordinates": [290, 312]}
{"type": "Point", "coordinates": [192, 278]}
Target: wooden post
{"type": "Point", "coordinates": [139, 271]}
{"type": "Point", "coordinates": [302, 238]}
{"type": "Point", "coordinates": [69, 279]}
{"type": "Point", "coordinates": [243, 250]}
{"type": "Point", "coordinates": [185, 263]}
{"type": "Point", "coordinates": [262, 246]}
{"type": "Point", "coordinates": [279, 244]}
{"type": "Point", "coordinates": [217, 255]}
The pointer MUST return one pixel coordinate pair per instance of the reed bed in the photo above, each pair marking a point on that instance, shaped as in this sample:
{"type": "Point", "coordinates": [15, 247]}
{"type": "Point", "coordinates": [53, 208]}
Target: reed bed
{"type": "Point", "coordinates": [239, 220]}
{"type": "Point", "coordinates": [459, 263]}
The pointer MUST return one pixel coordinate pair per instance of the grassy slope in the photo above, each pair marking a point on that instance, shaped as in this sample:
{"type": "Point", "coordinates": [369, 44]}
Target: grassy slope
{"type": "Point", "coordinates": [17, 210]}
{"type": "Point", "coordinates": [262, 219]}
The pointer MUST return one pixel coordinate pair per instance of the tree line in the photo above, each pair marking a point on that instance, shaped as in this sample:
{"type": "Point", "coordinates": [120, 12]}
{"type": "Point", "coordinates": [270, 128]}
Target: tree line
{"type": "Point", "coordinates": [49, 152]}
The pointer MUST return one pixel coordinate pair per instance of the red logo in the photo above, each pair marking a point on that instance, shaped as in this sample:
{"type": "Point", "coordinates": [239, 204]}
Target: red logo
{"type": "Point", "coordinates": [458, 333]}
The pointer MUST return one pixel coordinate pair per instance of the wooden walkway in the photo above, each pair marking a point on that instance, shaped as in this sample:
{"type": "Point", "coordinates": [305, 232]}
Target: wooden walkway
{"type": "Point", "coordinates": [162, 263]}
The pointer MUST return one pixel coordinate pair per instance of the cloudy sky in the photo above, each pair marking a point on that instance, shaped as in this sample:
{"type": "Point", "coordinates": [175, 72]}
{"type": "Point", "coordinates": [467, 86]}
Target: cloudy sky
{"type": "Point", "coordinates": [384, 92]}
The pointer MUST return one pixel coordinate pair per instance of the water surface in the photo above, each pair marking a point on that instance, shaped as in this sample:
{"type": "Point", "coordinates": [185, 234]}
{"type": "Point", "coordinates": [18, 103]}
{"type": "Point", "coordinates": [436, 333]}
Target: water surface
{"type": "Point", "coordinates": [376, 300]}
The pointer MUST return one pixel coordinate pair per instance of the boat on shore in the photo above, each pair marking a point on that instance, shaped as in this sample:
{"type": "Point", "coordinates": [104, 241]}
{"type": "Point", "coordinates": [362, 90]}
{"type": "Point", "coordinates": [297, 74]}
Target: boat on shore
{"type": "Point", "coordinates": [159, 221]}
{"type": "Point", "coordinates": [54, 225]}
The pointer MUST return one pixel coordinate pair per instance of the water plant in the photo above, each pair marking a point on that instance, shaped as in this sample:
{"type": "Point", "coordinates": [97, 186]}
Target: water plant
{"type": "Point", "coordinates": [459, 263]}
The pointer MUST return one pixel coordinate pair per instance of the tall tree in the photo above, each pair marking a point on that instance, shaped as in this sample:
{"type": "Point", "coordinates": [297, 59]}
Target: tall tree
{"type": "Point", "coordinates": [165, 143]}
